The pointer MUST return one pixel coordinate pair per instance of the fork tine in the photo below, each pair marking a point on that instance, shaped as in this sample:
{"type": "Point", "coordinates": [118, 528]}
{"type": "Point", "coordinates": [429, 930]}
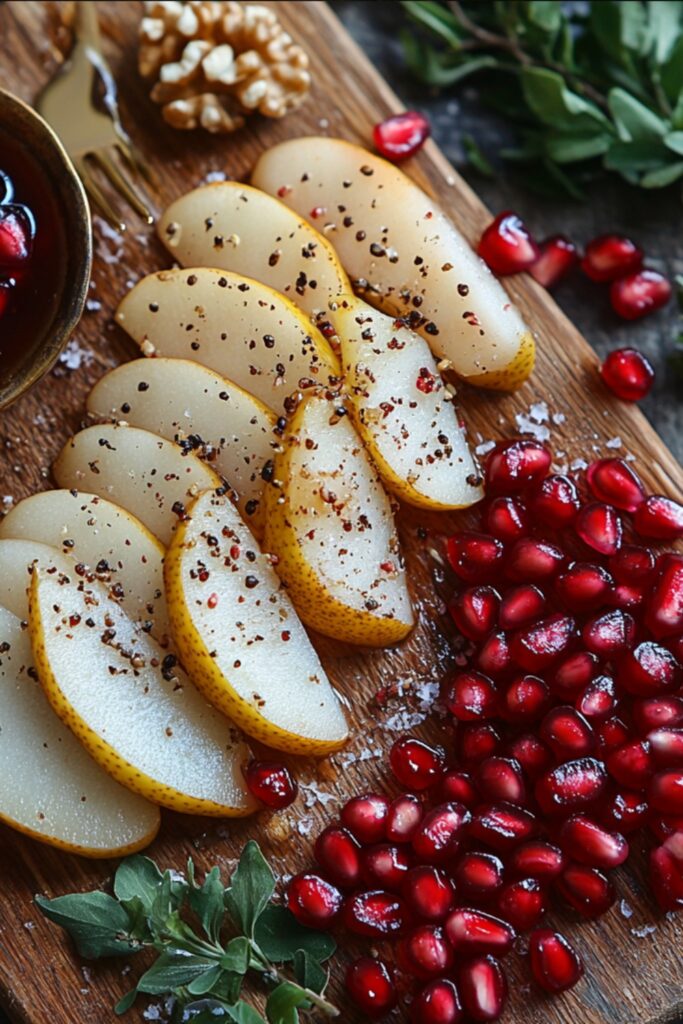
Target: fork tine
{"type": "Point", "coordinates": [134, 160]}
{"type": "Point", "coordinates": [98, 196]}
{"type": "Point", "coordinates": [123, 184]}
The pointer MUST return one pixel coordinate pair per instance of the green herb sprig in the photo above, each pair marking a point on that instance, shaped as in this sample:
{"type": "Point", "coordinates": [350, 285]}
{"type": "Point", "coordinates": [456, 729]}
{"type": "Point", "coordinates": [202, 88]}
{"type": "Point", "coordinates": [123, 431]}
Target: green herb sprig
{"type": "Point", "coordinates": [676, 357]}
{"type": "Point", "coordinates": [208, 937]}
{"type": "Point", "coordinates": [590, 92]}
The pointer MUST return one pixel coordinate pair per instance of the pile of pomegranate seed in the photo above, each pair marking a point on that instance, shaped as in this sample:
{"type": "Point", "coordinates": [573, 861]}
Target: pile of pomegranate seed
{"type": "Point", "coordinates": [567, 738]}
{"type": "Point", "coordinates": [401, 136]}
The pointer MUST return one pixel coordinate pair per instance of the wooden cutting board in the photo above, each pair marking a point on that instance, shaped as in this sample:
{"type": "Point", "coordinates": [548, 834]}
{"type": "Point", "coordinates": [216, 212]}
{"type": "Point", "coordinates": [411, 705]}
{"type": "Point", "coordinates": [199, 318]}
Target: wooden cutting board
{"type": "Point", "coordinates": [634, 965]}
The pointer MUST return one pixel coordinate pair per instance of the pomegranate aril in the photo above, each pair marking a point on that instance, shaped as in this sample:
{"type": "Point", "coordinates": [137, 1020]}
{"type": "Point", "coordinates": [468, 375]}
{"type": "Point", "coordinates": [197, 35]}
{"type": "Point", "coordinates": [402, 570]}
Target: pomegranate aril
{"type": "Point", "coordinates": [474, 932]}
{"type": "Point", "coordinates": [521, 605]}
{"type": "Point", "coordinates": [385, 866]}
{"type": "Point", "coordinates": [478, 875]}
{"type": "Point", "coordinates": [374, 913]}
{"type": "Point", "coordinates": [599, 700]}
{"type": "Point", "coordinates": [366, 816]}
{"type": "Point", "coordinates": [515, 465]}
{"type": "Point", "coordinates": [474, 557]}
{"type": "Point", "coordinates": [506, 245]}
{"type": "Point", "coordinates": [415, 764]}
{"type": "Point", "coordinates": [609, 634]}
{"type": "Point", "coordinates": [557, 256]}
{"type": "Point", "coordinates": [437, 1003]}
{"type": "Point", "coordinates": [16, 237]}
{"type": "Point", "coordinates": [536, 647]}
{"type": "Point", "coordinates": [657, 713]}
{"type": "Point", "coordinates": [587, 842]}
{"type": "Point", "coordinates": [632, 564]}
{"type": "Point", "coordinates": [574, 673]}
{"type": "Point", "coordinates": [631, 765]}
{"type": "Point", "coordinates": [614, 482]}
{"type": "Point", "coordinates": [5, 296]}
{"type": "Point", "coordinates": [475, 611]}
{"type": "Point", "coordinates": [609, 257]}
{"type": "Point", "coordinates": [665, 792]}
{"type": "Point", "coordinates": [441, 832]}
{"type": "Point", "coordinates": [628, 374]}
{"type": "Point", "coordinates": [555, 964]}
{"type": "Point", "coordinates": [666, 746]}
{"type": "Point", "coordinates": [401, 136]}
{"type": "Point", "coordinates": [649, 670]}
{"type": "Point", "coordinates": [532, 754]}
{"type": "Point", "coordinates": [371, 987]}
{"type": "Point", "coordinates": [599, 526]}
{"type": "Point", "coordinates": [664, 826]}
{"type": "Point", "coordinates": [500, 778]}
{"type": "Point", "coordinates": [457, 787]}
{"type": "Point", "coordinates": [338, 854]}
{"type": "Point", "coordinates": [624, 811]}
{"type": "Point", "coordinates": [628, 597]}
{"type": "Point", "coordinates": [584, 587]}
{"type": "Point", "coordinates": [659, 517]}
{"type": "Point", "coordinates": [271, 783]}
{"type": "Point", "coordinates": [428, 892]}
{"type": "Point", "coordinates": [507, 519]}
{"type": "Point", "coordinates": [586, 889]}
{"type": "Point", "coordinates": [612, 734]}
{"type": "Point", "coordinates": [425, 952]}
{"type": "Point", "coordinates": [471, 696]}
{"type": "Point", "coordinates": [502, 825]}
{"type": "Point", "coordinates": [525, 700]}
{"type": "Point", "coordinates": [567, 733]}
{"type": "Point", "coordinates": [664, 616]}
{"type": "Point", "coordinates": [403, 818]}
{"type": "Point", "coordinates": [477, 740]}
{"type": "Point", "coordinates": [533, 561]}
{"type": "Point", "coordinates": [483, 988]}
{"type": "Point", "coordinates": [639, 294]}
{"type": "Point", "coordinates": [537, 859]}
{"type": "Point", "coordinates": [313, 900]}
{"type": "Point", "coordinates": [522, 903]}
{"type": "Point", "coordinates": [556, 502]}
{"type": "Point", "coordinates": [666, 872]}
{"type": "Point", "coordinates": [494, 654]}
{"type": "Point", "coordinates": [571, 786]}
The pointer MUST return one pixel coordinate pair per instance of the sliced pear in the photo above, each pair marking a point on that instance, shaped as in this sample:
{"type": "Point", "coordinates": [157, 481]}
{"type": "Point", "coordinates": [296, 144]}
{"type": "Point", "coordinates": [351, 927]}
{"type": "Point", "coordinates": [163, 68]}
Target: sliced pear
{"type": "Point", "coordinates": [329, 522]}
{"type": "Point", "coordinates": [111, 541]}
{"type": "Point", "coordinates": [236, 326]}
{"type": "Point", "coordinates": [242, 642]}
{"type": "Point", "coordinates": [128, 702]}
{"type": "Point", "coordinates": [403, 254]}
{"type": "Point", "coordinates": [17, 558]}
{"type": "Point", "coordinates": [144, 473]}
{"type": "Point", "coordinates": [403, 411]}
{"type": "Point", "coordinates": [238, 228]}
{"type": "Point", "coordinates": [50, 789]}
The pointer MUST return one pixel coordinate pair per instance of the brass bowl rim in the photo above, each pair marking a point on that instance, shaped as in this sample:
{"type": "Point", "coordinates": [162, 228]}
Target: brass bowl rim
{"type": "Point", "coordinates": [75, 291]}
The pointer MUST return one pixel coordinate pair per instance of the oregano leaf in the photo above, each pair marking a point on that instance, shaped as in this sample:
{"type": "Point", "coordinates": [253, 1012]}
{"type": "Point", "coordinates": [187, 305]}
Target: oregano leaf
{"type": "Point", "coordinates": [279, 935]}
{"type": "Point", "coordinates": [283, 1003]}
{"type": "Point", "coordinates": [252, 887]}
{"type": "Point", "coordinates": [139, 877]}
{"type": "Point", "coordinates": [96, 922]}
{"type": "Point", "coordinates": [173, 970]}
{"type": "Point", "coordinates": [308, 972]}
{"type": "Point", "coordinates": [208, 904]}
{"type": "Point", "coordinates": [124, 1004]}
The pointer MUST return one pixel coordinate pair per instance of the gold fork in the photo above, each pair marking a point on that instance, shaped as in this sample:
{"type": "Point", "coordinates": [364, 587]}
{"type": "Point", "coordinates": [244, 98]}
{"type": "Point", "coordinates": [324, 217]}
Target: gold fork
{"type": "Point", "coordinates": [89, 135]}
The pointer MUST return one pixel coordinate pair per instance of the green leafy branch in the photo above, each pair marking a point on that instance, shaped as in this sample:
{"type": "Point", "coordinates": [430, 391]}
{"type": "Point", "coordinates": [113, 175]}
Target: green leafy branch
{"type": "Point", "coordinates": [593, 92]}
{"type": "Point", "coordinates": [186, 924]}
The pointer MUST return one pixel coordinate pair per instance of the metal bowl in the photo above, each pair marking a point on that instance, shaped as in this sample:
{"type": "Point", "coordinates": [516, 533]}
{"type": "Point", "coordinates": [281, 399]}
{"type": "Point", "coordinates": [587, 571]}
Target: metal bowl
{"type": "Point", "coordinates": [29, 131]}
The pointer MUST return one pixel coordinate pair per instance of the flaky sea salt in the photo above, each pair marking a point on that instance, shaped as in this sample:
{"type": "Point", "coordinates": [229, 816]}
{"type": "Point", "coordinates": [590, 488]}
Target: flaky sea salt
{"type": "Point", "coordinates": [558, 418]}
{"type": "Point", "coordinates": [614, 442]}
{"type": "Point", "coordinates": [484, 447]}
{"type": "Point", "coordinates": [527, 425]}
{"type": "Point", "coordinates": [214, 176]}
{"type": "Point", "coordinates": [314, 795]}
{"type": "Point", "coordinates": [625, 909]}
{"type": "Point", "coordinates": [74, 356]}
{"type": "Point", "coordinates": [576, 464]}
{"type": "Point", "coordinates": [644, 931]}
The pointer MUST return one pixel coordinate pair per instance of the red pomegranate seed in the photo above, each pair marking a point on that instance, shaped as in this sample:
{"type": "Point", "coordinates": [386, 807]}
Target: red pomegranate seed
{"type": "Point", "coordinates": [371, 987]}
{"type": "Point", "coordinates": [628, 597]}
{"type": "Point", "coordinates": [475, 611]}
{"type": "Point", "coordinates": [457, 786]}
{"type": "Point", "coordinates": [625, 811]}
{"type": "Point", "coordinates": [628, 374]}
{"type": "Point", "coordinates": [470, 696]}
{"type": "Point", "coordinates": [473, 932]}
{"type": "Point", "coordinates": [483, 988]}
{"type": "Point", "coordinates": [478, 875]}
{"type": "Point", "coordinates": [5, 296]}
{"type": "Point", "coordinates": [649, 670]}
{"type": "Point", "coordinates": [521, 605]}
{"type": "Point", "coordinates": [666, 872]}
{"type": "Point", "coordinates": [500, 778]}
{"type": "Point", "coordinates": [555, 964]}
{"type": "Point", "coordinates": [586, 889]}
{"type": "Point", "coordinates": [375, 913]}
{"type": "Point", "coordinates": [532, 754]}
{"type": "Point", "coordinates": [665, 792]}
{"type": "Point", "coordinates": [272, 783]}
{"type": "Point", "coordinates": [425, 952]}
{"type": "Point", "coordinates": [599, 699]}
{"type": "Point", "coordinates": [474, 557]}
{"type": "Point", "coordinates": [599, 526]}
{"type": "Point", "coordinates": [401, 136]}
{"type": "Point", "coordinates": [440, 833]}
{"type": "Point", "coordinates": [639, 294]}
{"type": "Point", "coordinates": [567, 733]}
{"type": "Point", "coordinates": [631, 765]}
{"type": "Point", "coordinates": [664, 826]}
{"type": "Point", "coordinates": [366, 816]}
{"type": "Point", "coordinates": [571, 786]}
{"type": "Point", "coordinates": [666, 746]}
{"type": "Point", "coordinates": [632, 564]}
{"type": "Point", "coordinates": [338, 854]}
{"type": "Point", "coordinates": [477, 740]}
{"type": "Point", "coordinates": [533, 561]}
{"type": "Point", "coordinates": [612, 734]}
{"type": "Point", "coordinates": [506, 245]}
{"type": "Point", "coordinates": [415, 764]}
{"type": "Point", "coordinates": [657, 713]}
{"type": "Point", "coordinates": [16, 237]}
{"type": "Point", "coordinates": [522, 903]}
{"type": "Point", "coordinates": [494, 654]}
{"type": "Point", "coordinates": [611, 256]}
{"type": "Point", "coordinates": [659, 517]}
{"type": "Point", "coordinates": [537, 859]}
{"type": "Point", "coordinates": [403, 818]}
{"type": "Point", "coordinates": [507, 518]}
{"type": "Point", "coordinates": [610, 633]}
{"type": "Point", "coordinates": [587, 842]}
{"type": "Point", "coordinates": [557, 257]}
{"type": "Point", "coordinates": [515, 465]}
{"type": "Point", "coordinates": [574, 673]}
{"type": "Point", "coordinates": [664, 616]}
{"type": "Point", "coordinates": [584, 587]}
{"type": "Point", "coordinates": [536, 647]}
{"type": "Point", "coordinates": [428, 892]}
{"type": "Point", "coordinates": [556, 501]}
{"type": "Point", "coordinates": [615, 483]}
{"type": "Point", "coordinates": [385, 866]}
{"type": "Point", "coordinates": [437, 1003]}
{"type": "Point", "coordinates": [502, 826]}
{"type": "Point", "coordinates": [526, 699]}
{"type": "Point", "coordinates": [313, 900]}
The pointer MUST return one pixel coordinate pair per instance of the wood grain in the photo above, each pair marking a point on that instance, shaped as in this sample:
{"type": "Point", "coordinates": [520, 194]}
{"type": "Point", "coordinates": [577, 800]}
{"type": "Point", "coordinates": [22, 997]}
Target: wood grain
{"type": "Point", "coordinates": [631, 975]}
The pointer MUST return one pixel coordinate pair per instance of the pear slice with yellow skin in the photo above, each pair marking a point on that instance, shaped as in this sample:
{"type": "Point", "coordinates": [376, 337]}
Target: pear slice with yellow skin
{"type": "Point", "coordinates": [403, 254]}
{"type": "Point", "coordinates": [129, 702]}
{"type": "Point", "coordinates": [50, 788]}
{"type": "Point", "coordinates": [236, 326]}
{"type": "Point", "coordinates": [17, 558]}
{"type": "Point", "coordinates": [330, 524]}
{"type": "Point", "coordinates": [147, 475]}
{"type": "Point", "coordinates": [240, 638]}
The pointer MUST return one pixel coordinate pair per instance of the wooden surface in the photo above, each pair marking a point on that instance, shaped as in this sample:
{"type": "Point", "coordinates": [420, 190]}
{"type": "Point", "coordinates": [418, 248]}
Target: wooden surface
{"type": "Point", "coordinates": [634, 974]}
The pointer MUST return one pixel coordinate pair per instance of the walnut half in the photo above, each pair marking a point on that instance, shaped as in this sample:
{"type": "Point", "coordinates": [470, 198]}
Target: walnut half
{"type": "Point", "coordinates": [215, 61]}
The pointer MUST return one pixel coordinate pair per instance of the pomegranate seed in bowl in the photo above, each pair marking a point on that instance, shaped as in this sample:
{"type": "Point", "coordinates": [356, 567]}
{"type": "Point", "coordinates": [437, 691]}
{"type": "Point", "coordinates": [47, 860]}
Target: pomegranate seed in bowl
{"type": "Point", "coordinates": [614, 482]}
{"type": "Point", "coordinates": [557, 256]}
{"type": "Point", "coordinates": [659, 517]}
{"type": "Point", "coordinates": [506, 245]}
{"type": "Point", "coordinates": [628, 374]}
{"type": "Point", "coordinates": [401, 136]}
{"type": "Point", "coordinates": [555, 965]}
{"type": "Point", "coordinates": [415, 764]}
{"type": "Point", "coordinates": [483, 988]}
{"type": "Point", "coordinates": [639, 294]}
{"type": "Point", "coordinates": [437, 1003]}
{"type": "Point", "coordinates": [371, 987]}
{"type": "Point", "coordinates": [271, 783]}
{"type": "Point", "coordinates": [609, 257]}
